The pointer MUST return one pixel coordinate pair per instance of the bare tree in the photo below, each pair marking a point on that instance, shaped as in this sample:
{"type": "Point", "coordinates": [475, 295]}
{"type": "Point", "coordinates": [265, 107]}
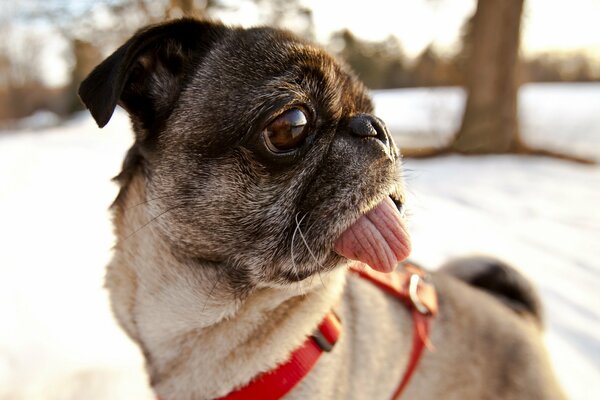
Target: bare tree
{"type": "Point", "coordinates": [288, 14]}
{"type": "Point", "coordinates": [187, 7]}
{"type": "Point", "coordinates": [490, 122]}
{"type": "Point", "coordinates": [20, 57]}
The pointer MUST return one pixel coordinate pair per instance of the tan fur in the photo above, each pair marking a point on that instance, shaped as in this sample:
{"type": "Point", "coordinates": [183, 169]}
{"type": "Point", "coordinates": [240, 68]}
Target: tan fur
{"type": "Point", "coordinates": [200, 346]}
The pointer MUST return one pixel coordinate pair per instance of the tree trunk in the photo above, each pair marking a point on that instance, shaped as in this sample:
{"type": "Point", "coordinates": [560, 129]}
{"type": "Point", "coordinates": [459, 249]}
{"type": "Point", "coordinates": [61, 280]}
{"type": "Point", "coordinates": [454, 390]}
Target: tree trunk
{"type": "Point", "coordinates": [489, 122]}
{"type": "Point", "coordinates": [186, 7]}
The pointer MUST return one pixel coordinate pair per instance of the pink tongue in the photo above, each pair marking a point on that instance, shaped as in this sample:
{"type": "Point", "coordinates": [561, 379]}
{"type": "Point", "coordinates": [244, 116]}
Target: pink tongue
{"type": "Point", "coordinates": [378, 238]}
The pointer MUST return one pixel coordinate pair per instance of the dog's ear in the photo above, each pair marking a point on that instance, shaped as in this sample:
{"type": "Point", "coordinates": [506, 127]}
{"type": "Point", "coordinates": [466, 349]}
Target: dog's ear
{"type": "Point", "coordinates": [146, 74]}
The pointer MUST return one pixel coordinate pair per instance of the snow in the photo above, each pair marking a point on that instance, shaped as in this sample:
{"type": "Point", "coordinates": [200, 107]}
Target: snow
{"type": "Point", "coordinates": [552, 115]}
{"type": "Point", "coordinates": [39, 120]}
{"type": "Point", "coordinates": [59, 340]}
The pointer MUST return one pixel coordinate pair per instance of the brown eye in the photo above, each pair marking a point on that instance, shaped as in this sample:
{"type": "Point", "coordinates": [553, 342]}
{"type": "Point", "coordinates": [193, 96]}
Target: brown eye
{"type": "Point", "coordinates": [286, 132]}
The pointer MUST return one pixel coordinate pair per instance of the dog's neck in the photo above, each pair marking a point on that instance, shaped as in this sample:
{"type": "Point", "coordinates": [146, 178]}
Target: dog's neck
{"type": "Point", "coordinates": [198, 339]}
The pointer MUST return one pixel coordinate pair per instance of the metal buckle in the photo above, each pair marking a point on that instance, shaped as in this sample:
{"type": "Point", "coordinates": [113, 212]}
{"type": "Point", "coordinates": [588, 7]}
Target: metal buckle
{"type": "Point", "coordinates": [413, 286]}
{"type": "Point", "coordinates": [320, 338]}
{"type": "Point", "coordinates": [322, 342]}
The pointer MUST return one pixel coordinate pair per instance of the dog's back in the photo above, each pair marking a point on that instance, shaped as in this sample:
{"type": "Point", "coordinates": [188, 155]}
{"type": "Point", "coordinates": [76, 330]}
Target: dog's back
{"type": "Point", "coordinates": [486, 340]}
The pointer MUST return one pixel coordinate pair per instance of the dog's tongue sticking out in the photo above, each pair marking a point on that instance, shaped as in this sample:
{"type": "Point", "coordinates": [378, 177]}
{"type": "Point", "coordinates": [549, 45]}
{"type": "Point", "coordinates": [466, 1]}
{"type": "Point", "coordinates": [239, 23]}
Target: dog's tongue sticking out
{"type": "Point", "coordinates": [378, 238]}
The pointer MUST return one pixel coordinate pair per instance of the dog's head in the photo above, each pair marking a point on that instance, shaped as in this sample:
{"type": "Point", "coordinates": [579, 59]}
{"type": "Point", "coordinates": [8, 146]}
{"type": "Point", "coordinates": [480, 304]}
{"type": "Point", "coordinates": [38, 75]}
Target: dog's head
{"type": "Point", "coordinates": [259, 152]}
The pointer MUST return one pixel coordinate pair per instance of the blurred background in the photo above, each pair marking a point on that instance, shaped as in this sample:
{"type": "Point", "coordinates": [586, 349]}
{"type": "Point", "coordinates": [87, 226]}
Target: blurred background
{"type": "Point", "coordinates": [49, 46]}
{"type": "Point", "coordinates": [495, 103]}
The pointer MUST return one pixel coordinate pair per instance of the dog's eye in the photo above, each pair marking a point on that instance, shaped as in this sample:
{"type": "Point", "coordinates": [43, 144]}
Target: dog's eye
{"type": "Point", "coordinates": [286, 132]}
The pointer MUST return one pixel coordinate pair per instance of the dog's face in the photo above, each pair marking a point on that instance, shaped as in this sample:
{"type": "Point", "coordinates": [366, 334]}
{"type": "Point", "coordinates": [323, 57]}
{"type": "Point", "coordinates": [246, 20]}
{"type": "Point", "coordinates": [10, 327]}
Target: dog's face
{"type": "Point", "coordinates": [257, 149]}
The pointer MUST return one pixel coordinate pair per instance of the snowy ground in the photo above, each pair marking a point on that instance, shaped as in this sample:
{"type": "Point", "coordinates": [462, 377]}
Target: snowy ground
{"type": "Point", "coordinates": [554, 115]}
{"type": "Point", "coordinates": [59, 340]}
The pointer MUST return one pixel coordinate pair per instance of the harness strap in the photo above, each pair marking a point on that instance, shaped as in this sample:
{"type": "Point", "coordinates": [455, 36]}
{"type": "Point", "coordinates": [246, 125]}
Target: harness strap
{"type": "Point", "coordinates": [420, 337]}
{"type": "Point", "coordinates": [412, 288]}
{"type": "Point", "coordinates": [409, 286]}
{"type": "Point", "coordinates": [277, 383]}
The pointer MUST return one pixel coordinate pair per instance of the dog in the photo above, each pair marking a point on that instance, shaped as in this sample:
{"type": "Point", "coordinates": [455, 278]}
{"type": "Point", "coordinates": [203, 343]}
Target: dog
{"type": "Point", "coordinates": [258, 175]}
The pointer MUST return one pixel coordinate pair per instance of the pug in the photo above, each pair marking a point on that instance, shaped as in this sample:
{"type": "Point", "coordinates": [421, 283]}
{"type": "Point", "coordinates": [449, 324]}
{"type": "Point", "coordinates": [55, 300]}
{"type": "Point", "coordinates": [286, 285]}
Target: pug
{"type": "Point", "coordinates": [257, 177]}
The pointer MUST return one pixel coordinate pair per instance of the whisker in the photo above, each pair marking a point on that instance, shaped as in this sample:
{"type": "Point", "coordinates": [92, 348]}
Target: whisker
{"type": "Point", "coordinates": [294, 267]}
{"type": "Point", "coordinates": [308, 248]}
{"type": "Point", "coordinates": [306, 243]}
{"type": "Point", "coordinates": [321, 278]}
{"type": "Point", "coordinates": [159, 198]}
{"type": "Point", "coordinates": [209, 295]}
{"type": "Point", "coordinates": [310, 226]}
{"type": "Point", "coordinates": [152, 220]}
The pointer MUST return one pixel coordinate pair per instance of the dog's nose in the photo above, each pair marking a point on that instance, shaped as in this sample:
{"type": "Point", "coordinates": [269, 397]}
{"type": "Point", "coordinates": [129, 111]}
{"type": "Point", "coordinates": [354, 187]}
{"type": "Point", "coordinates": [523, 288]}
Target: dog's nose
{"type": "Point", "coordinates": [365, 125]}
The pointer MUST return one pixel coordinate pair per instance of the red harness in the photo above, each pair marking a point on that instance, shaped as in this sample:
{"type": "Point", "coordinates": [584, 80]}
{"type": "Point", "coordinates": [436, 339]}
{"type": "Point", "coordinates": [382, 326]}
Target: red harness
{"type": "Point", "coordinates": [409, 286]}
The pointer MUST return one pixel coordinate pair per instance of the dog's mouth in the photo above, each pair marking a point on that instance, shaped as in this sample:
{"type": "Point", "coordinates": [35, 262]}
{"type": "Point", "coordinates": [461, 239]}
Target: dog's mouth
{"type": "Point", "coordinates": [398, 203]}
{"type": "Point", "coordinates": [378, 238]}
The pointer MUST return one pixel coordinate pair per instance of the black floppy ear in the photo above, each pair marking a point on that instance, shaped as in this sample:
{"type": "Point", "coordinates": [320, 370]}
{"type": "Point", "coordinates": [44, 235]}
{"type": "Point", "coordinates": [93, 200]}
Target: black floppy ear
{"type": "Point", "coordinates": [146, 74]}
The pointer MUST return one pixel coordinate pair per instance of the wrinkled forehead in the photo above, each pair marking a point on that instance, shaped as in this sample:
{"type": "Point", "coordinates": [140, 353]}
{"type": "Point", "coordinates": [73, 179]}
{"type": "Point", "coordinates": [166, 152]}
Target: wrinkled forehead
{"type": "Point", "coordinates": [274, 68]}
